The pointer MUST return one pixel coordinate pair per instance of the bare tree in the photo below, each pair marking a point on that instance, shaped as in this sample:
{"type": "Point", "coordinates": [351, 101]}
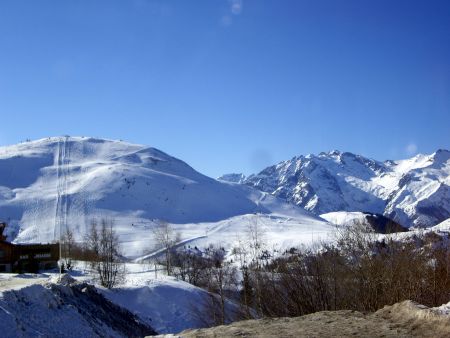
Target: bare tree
{"type": "Point", "coordinates": [166, 239]}
{"type": "Point", "coordinates": [240, 254]}
{"type": "Point", "coordinates": [190, 264]}
{"type": "Point", "coordinates": [68, 244]}
{"type": "Point", "coordinates": [256, 243]}
{"type": "Point", "coordinates": [103, 249]}
{"type": "Point", "coordinates": [355, 239]}
{"type": "Point", "coordinates": [91, 246]}
{"type": "Point", "coordinates": [219, 278]}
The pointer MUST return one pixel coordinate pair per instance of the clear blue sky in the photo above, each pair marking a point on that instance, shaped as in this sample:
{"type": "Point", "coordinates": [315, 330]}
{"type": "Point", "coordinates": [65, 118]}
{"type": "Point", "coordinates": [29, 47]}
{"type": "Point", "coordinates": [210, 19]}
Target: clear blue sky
{"type": "Point", "coordinates": [230, 86]}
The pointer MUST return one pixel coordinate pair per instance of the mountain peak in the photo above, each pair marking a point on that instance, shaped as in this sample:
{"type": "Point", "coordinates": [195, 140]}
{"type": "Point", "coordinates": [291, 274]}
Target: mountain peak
{"type": "Point", "coordinates": [334, 152]}
{"type": "Point", "coordinates": [330, 153]}
{"type": "Point", "coordinates": [343, 181]}
{"type": "Point", "coordinates": [441, 155]}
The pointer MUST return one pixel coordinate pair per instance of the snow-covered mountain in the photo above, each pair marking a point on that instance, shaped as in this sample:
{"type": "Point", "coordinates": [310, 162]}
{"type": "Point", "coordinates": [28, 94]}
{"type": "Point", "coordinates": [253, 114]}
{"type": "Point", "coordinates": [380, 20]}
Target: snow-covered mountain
{"type": "Point", "coordinates": [412, 192]}
{"type": "Point", "coordinates": [50, 183]}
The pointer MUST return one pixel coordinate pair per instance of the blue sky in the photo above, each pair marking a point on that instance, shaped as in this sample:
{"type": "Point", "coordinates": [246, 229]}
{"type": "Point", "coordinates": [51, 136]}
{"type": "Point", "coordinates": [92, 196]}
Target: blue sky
{"type": "Point", "coordinates": [230, 86]}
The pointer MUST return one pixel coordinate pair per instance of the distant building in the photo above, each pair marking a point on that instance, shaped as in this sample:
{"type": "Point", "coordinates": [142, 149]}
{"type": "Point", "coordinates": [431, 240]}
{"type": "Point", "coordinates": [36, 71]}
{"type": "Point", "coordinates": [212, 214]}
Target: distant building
{"type": "Point", "coordinates": [26, 257]}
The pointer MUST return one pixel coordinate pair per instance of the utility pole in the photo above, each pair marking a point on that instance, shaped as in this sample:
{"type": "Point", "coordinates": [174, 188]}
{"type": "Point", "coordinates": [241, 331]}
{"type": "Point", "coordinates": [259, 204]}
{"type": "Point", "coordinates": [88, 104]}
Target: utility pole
{"type": "Point", "coordinates": [60, 252]}
{"type": "Point", "coordinates": [63, 170]}
{"type": "Point", "coordinates": [60, 223]}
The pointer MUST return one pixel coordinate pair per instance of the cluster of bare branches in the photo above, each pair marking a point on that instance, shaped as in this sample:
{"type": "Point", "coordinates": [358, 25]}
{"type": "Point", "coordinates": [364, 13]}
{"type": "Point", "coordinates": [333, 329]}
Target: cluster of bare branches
{"type": "Point", "coordinates": [359, 272]}
{"type": "Point", "coordinates": [228, 280]}
{"type": "Point", "coordinates": [68, 248]}
{"type": "Point", "coordinates": [102, 251]}
{"type": "Point", "coordinates": [99, 249]}
{"type": "Point", "coordinates": [166, 240]}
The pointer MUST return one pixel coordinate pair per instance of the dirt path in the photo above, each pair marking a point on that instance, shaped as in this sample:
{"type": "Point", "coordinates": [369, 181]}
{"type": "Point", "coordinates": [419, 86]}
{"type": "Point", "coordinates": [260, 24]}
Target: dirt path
{"type": "Point", "coordinates": [404, 319]}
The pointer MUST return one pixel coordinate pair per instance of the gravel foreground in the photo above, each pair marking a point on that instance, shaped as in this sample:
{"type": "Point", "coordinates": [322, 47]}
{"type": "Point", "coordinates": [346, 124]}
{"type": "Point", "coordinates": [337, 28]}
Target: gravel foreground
{"type": "Point", "coordinates": [406, 319]}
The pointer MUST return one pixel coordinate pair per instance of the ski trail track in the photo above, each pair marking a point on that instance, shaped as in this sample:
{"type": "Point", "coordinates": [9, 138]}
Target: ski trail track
{"type": "Point", "coordinates": [62, 168]}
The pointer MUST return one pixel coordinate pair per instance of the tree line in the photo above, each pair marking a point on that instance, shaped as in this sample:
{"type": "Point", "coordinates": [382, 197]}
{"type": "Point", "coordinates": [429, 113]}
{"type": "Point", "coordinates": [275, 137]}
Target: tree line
{"type": "Point", "coordinates": [358, 271]}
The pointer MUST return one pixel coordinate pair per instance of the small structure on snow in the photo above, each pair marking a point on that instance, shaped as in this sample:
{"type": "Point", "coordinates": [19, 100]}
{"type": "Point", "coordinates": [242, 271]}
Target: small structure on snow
{"type": "Point", "coordinates": [26, 257]}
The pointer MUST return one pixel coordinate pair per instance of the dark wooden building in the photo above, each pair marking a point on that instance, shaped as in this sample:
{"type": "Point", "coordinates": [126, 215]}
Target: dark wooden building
{"type": "Point", "coordinates": [26, 257]}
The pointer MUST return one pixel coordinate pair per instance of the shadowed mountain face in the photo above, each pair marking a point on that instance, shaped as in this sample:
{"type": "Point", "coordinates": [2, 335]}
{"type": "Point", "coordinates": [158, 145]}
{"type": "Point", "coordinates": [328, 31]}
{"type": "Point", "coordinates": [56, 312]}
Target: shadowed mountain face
{"type": "Point", "coordinates": [384, 225]}
{"type": "Point", "coordinates": [412, 192]}
{"type": "Point", "coordinates": [378, 223]}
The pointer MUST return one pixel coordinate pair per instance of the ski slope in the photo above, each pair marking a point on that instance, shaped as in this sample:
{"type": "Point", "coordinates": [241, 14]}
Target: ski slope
{"type": "Point", "coordinates": [54, 183]}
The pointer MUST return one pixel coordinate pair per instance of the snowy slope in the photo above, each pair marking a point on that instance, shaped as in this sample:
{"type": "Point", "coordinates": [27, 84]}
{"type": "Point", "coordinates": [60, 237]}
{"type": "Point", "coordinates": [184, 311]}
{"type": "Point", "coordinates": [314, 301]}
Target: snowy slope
{"type": "Point", "coordinates": [50, 183]}
{"type": "Point", "coordinates": [277, 232]}
{"type": "Point", "coordinates": [232, 178]}
{"type": "Point", "coordinates": [75, 307]}
{"type": "Point", "coordinates": [344, 218]}
{"type": "Point", "coordinates": [443, 226]}
{"type": "Point", "coordinates": [166, 304]}
{"type": "Point", "coordinates": [413, 192]}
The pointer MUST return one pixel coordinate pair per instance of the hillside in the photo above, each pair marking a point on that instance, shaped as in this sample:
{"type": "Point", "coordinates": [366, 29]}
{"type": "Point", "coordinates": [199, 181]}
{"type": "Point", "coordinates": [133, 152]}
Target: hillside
{"type": "Point", "coordinates": [76, 306]}
{"type": "Point", "coordinates": [48, 184]}
{"type": "Point", "coordinates": [405, 319]}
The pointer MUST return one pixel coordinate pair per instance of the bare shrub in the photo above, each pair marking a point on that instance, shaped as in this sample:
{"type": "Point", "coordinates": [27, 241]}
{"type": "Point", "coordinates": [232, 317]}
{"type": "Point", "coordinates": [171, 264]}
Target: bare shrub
{"type": "Point", "coordinates": [166, 239]}
{"type": "Point", "coordinates": [67, 248]}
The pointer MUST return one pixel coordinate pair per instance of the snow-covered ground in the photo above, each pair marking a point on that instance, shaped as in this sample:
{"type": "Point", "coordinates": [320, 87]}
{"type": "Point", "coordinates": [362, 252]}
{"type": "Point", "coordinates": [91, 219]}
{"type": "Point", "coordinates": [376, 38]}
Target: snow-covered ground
{"type": "Point", "coordinates": [35, 304]}
{"type": "Point", "coordinates": [344, 218]}
{"type": "Point", "coordinates": [45, 306]}
{"type": "Point", "coordinates": [443, 226]}
{"type": "Point", "coordinates": [29, 304]}
{"type": "Point", "coordinates": [53, 183]}
{"type": "Point", "coordinates": [278, 231]}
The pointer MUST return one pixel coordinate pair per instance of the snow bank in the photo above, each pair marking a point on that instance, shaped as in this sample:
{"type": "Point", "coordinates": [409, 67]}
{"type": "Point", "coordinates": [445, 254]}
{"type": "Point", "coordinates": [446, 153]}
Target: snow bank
{"type": "Point", "coordinates": [344, 218]}
{"type": "Point", "coordinates": [55, 310]}
{"type": "Point", "coordinates": [166, 304]}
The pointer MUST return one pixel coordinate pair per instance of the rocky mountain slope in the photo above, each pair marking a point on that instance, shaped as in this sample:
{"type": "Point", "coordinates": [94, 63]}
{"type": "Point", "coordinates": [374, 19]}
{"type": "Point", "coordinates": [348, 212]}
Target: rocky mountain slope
{"type": "Point", "coordinates": [412, 192]}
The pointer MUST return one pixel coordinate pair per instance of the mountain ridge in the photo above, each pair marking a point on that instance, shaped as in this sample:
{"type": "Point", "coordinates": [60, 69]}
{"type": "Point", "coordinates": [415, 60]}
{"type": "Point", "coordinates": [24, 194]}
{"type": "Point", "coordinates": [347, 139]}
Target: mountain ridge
{"type": "Point", "coordinates": [412, 192]}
